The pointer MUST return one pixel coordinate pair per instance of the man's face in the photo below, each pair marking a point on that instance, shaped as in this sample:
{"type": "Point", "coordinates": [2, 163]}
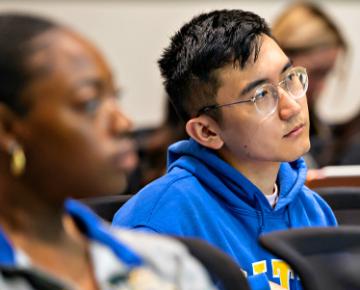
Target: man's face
{"type": "Point", "coordinates": [73, 133]}
{"type": "Point", "coordinates": [249, 136]}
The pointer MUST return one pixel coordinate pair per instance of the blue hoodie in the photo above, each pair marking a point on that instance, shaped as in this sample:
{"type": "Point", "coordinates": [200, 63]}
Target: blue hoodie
{"type": "Point", "coordinates": [203, 196]}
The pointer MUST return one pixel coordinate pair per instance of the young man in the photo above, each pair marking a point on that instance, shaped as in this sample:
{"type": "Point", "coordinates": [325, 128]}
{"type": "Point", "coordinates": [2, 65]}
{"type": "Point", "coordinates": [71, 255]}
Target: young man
{"type": "Point", "coordinates": [241, 173]}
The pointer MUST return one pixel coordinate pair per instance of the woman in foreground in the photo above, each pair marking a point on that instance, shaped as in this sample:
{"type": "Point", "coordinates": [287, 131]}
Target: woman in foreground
{"type": "Point", "coordinates": [60, 135]}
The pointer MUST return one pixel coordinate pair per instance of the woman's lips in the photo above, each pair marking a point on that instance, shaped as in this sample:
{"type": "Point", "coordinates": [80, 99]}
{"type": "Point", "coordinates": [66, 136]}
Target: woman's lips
{"type": "Point", "coordinates": [126, 157]}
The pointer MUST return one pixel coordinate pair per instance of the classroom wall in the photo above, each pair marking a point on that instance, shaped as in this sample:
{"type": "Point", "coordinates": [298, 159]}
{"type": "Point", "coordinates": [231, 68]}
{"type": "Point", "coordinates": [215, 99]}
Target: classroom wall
{"type": "Point", "coordinates": [133, 33]}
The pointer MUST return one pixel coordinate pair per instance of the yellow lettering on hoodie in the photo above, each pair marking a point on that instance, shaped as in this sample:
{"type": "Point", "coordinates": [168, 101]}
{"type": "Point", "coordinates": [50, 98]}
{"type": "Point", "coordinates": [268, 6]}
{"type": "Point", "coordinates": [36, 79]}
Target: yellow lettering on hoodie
{"type": "Point", "coordinates": [282, 271]}
{"type": "Point", "coordinates": [259, 267]}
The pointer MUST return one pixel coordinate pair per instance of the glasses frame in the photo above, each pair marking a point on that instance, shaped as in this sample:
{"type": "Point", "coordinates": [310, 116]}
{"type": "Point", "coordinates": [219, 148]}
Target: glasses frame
{"type": "Point", "coordinates": [253, 99]}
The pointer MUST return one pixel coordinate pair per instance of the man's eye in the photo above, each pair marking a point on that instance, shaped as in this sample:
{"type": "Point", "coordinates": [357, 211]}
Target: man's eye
{"type": "Point", "coordinates": [260, 94]}
{"type": "Point", "coordinates": [290, 76]}
{"type": "Point", "coordinates": [293, 77]}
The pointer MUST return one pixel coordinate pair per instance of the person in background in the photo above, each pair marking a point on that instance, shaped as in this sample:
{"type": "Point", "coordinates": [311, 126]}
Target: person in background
{"type": "Point", "coordinates": [61, 133]}
{"type": "Point", "coordinates": [313, 40]}
{"type": "Point", "coordinates": [241, 173]}
{"type": "Point", "coordinates": [152, 146]}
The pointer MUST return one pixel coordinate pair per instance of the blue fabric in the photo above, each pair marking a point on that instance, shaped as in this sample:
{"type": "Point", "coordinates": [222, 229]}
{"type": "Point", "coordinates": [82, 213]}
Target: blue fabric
{"type": "Point", "coordinates": [95, 229]}
{"type": "Point", "coordinates": [7, 254]}
{"type": "Point", "coordinates": [92, 226]}
{"type": "Point", "coordinates": [203, 196]}
{"type": "Point", "coordinates": [259, 281]}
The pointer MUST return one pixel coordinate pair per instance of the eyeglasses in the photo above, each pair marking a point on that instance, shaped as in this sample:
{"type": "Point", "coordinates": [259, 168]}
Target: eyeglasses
{"type": "Point", "coordinates": [266, 96]}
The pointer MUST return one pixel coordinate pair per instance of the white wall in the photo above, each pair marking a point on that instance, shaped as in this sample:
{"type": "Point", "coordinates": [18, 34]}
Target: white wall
{"type": "Point", "coordinates": [133, 33]}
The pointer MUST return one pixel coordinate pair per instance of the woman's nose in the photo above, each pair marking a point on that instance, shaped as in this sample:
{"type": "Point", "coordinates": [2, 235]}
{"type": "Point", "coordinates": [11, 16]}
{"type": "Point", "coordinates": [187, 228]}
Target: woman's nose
{"type": "Point", "coordinates": [119, 122]}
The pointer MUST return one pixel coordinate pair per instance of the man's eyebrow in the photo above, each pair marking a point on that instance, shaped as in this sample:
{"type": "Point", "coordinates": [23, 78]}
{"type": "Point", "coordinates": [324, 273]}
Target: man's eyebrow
{"type": "Point", "coordinates": [252, 85]}
{"type": "Point", "coordinates": [287, 66]}
{"type": "Point", "coordinates": [256, 83]}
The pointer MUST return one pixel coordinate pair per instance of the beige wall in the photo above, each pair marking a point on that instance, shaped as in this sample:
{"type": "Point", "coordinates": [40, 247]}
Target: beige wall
{"type": "Point", "coordinates": [133, 34]}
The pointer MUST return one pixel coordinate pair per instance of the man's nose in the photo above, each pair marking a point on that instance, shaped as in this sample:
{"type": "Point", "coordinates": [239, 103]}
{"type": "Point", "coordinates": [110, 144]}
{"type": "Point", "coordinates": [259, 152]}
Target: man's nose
{"type": "Point", "coordinates": [288, 106]}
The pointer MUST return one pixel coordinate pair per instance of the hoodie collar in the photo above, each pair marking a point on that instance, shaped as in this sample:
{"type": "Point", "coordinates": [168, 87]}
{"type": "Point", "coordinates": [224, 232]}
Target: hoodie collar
{"type": "Point", "coordinates": [230, 184]}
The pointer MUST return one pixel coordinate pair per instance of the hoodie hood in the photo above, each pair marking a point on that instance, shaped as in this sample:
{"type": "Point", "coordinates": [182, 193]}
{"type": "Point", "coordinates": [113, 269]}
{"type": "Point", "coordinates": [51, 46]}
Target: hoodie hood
{"type": "Point", "coordinates": [233, 186]}
{"type": "Point", "coordinates": [203, 196]}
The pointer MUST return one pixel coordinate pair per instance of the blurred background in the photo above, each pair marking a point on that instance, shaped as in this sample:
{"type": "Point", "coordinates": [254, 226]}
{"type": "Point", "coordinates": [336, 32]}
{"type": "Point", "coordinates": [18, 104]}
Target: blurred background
{"type": "Point", "coordinates": [133, 33]}
{"type": "Point", "coordinates": [324, 38]}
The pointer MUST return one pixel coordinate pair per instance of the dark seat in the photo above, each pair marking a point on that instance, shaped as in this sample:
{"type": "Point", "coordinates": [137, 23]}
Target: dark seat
{"type": "Point", "coordinates": [221, 267]}
{"type": "Point", "coordinates": [344, 201]}
{"type": "Point", "coordinates": [324, 258]}
{"type": "Point", "coordinates": [106, 206]}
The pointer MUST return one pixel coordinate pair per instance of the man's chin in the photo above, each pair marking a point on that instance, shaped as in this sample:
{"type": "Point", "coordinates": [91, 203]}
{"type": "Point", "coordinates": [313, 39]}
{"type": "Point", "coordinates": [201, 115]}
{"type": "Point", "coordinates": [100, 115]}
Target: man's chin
{"type": "Point", "coordinates": [296, 156]}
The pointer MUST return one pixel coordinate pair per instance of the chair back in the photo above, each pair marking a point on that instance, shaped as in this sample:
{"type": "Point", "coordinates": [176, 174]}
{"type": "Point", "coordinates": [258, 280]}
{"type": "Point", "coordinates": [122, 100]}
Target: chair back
{"type": "Point", "coordinates": [344, 201]}
{"type": "Point", "coordinates": [218, 264]}
{"type": "Point", "coordinates": [324, 258]}
{"type": "Point", "coordinates": [106, 206]}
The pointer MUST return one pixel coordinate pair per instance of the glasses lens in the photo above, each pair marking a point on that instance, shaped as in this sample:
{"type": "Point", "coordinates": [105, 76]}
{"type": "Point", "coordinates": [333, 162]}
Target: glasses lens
{"type": "Point", "coordinates": [266, 98]}
{"type": "Point", "coordinates": [297, 82]}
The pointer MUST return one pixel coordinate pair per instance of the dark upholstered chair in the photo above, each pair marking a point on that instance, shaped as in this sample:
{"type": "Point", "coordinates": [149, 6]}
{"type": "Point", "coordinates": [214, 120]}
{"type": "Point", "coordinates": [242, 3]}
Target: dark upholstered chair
{"type": "Point", "coordinates": [106, 206]}
{"type": "Point", "coordinates": [344, 201]}
{"type": "Point", "coordinates": [219, 265]}
{"type": "Point", "coordinates": [324, 258]}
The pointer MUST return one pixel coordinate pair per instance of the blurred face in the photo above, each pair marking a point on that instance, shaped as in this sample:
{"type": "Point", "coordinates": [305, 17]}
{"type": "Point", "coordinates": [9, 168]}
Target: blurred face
{"type": "Point", "coordinates": [318, 64]}
{"type": "Point", "coordinates": [73, 133]}
{"type": "Point", "coordinates": [249, 136]}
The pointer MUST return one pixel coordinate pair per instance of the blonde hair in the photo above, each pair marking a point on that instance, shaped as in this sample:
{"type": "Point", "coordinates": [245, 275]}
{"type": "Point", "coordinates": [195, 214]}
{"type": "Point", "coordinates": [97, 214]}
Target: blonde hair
{"type": "Point", "coordinates": [304, 26]}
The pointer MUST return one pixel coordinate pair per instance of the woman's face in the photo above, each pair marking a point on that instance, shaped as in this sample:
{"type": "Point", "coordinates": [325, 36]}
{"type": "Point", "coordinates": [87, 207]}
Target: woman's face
{"type": "Point", "coordinates": [74, 129]}
{"type": "Point", "coordinates": [318, 63]}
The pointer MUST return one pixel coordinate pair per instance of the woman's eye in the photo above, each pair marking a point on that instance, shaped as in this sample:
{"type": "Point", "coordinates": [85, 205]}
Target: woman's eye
{"type": "Point", "coordinates": [91, 105]}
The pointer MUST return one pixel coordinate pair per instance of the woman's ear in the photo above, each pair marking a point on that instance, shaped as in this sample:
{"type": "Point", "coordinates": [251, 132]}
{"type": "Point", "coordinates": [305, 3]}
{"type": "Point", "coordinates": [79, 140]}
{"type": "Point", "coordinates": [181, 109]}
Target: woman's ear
{"type": "Point", "coordinates": [9, 144]}
{"type": "Point", "coordinates": [7, 137]}
{"type": "Point", "coordinates": [205, 131]}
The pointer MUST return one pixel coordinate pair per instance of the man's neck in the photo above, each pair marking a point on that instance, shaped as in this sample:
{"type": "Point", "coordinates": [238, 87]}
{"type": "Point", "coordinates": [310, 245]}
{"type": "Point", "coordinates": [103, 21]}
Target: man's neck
{"type": "Point", "coordinates": [262, 174]}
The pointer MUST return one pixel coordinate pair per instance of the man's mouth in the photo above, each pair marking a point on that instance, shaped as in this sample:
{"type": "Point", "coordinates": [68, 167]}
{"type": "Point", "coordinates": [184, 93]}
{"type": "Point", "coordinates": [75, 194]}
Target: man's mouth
{"type": "Point", "coordinates": [297, 130]}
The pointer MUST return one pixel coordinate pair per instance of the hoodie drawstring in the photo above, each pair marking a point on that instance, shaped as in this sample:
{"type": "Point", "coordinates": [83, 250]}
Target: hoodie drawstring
{"type": "Point", "coordinates": [261, 220]}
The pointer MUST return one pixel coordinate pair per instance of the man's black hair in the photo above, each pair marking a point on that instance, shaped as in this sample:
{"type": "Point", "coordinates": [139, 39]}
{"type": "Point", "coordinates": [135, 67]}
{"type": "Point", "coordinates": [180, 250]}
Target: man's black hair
{"type": "Point", "coordinates": [206, 43]}
{"type": "Point", "coordinates": [16, 32]}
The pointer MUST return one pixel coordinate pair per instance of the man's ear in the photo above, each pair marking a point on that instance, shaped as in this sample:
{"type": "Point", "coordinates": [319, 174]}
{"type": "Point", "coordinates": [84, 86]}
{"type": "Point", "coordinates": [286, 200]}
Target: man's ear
{"type": "Point", "coordinates": [205, 131]}
{"type": "Point", "coordinates": [7, 136]}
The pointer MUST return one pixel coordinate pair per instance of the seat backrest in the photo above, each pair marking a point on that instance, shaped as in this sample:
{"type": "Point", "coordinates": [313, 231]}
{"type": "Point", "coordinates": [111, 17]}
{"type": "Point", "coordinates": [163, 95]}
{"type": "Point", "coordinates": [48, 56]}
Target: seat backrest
{"type": "Point", "coordinates": [106, 206]}
{"type": "Point", "coordinates": [221, 267]}
{"type": "Point", "coordinates": [344, 201]}
{"type": "Point", "coordinates": [324, 258]}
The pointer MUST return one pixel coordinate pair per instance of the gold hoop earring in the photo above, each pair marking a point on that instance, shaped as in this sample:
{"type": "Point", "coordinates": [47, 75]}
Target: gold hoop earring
{"type": "Point", "coordinates": [18, 160]}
